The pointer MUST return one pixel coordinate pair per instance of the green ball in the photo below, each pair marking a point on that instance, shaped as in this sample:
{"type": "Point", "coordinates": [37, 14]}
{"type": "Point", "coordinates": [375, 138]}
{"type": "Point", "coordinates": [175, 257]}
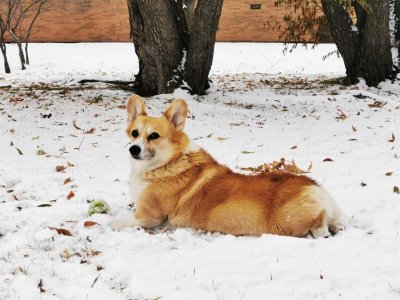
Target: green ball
{"type": "Point", "coordinates": [98, 207]}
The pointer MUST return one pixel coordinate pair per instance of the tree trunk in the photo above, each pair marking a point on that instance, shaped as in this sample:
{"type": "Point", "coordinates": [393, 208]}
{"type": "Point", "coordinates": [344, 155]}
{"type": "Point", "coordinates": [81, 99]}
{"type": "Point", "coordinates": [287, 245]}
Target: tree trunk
{"type": "Point", "coordinates": [6, 65]}
{"type": "Point", "coordinates": [364, 46]}
{"type": "Point", "coordinates": [376, 56]}
{"type": "Point", "coordinates": [397, 30]}
{"type": "Point", "coordinates": [346, 39]}
{"type": "Point", "coordinates": [157, 45]}
{"type": "Point", "coordinates": [174, 41]}
{"type": "Point", "coordinates": [200, 49]}
{"type": "Point", "coordinates": [20, 51]}
{"type": "Point", "coordinates": [26, 53]}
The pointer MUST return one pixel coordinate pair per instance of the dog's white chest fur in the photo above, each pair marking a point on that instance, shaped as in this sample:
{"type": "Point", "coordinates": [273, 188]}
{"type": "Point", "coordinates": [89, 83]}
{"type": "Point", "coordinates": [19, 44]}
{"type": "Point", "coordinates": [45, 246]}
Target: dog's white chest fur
{"type": "Point", "coordinates": [136, 185]}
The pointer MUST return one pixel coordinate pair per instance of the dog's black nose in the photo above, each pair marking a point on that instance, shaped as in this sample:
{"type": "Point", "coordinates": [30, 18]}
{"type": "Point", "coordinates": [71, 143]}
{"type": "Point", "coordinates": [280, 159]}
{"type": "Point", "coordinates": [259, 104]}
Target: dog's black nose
{"type": "Point", "coordinates": [135, 150]}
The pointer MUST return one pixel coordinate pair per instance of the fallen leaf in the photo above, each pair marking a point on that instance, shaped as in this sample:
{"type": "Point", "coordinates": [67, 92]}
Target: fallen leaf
{"type": "Point", "coordinates": [94, 252]}
{"type": "Point", "coordinates": [222, 138]}
{"type": "Point", "coordinates": [377, 104]}
{"type": "Point", "coordinates": [341, 115]}
{"type": "Point", "coordinates": [353, 127]}
{"type": "Point", "coordinates": [360, 96]}
{"type": "Point", "coordinates": [61, 231]}
{"type": "Point", "coordinates": [90, 131]}
{"type": "Point", "coordinates": [392, 139]}
{"type": "Point", "coordinates": [15, 198]}
{"type": "Point", "coordinates": [19, 151]}
{"type": "Point", "coordinates": [76, 126]}
{"type": "Point", "coordinates": [67, 180]}
{"type": "Point", "coordinates": [60, 168]}
{"type": "Point", "coordinates": [210, 135]}
{"type": "Point", "coordinates": [247, 152]}
{"type": "Point", "coordinates": [41, 152]}
{"type": "Point", "coordinates": [40, 286]}
{"type": "Point", "coordinates": [70, 195]}
{"type": "Point", "coordinates": [327, 159]}
{"type": "Point", "coordinates": [396, 189]}
{"type": "Point", "coordinates": [363, 184]}
{"type": "Point", "coordinates": [280, 165]}
{"type": "Point", "coordinates": [90, 223]}
{"type": "Point", "coordinates": [70, 164]}
{"type": "Point", "coordinates": [293, 168]}
{"type": "Point", "coordinates": [95, 280]}
{"type": "Point", "coordinates": [44, 205]}
{"type": "Point", "coordinates": [389, 174]}
{"type": "Point", "coordinates": [294, 147]}
{"type": "Point", "coordinates": [237, 124]}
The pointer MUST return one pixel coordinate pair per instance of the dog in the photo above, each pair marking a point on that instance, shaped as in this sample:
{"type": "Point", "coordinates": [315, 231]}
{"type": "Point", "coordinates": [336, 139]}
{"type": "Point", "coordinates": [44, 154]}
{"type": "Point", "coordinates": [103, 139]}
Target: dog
{"type": "Point", "coordinates": [173, 180]}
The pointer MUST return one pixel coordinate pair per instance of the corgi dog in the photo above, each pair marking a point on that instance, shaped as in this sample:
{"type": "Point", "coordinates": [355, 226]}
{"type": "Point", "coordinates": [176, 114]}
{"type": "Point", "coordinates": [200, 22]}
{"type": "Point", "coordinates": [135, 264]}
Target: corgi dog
{"type": "Point", "coordinates": [174, 181]}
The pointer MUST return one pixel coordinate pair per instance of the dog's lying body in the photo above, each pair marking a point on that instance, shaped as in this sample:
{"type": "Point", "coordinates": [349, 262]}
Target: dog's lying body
{"type": "Point", "coordinates": [174, 181]}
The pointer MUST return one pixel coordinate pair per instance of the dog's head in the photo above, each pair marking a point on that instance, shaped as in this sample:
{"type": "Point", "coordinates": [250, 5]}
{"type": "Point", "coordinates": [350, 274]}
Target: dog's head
{"type": "Point", "coordinates": [156, 140]}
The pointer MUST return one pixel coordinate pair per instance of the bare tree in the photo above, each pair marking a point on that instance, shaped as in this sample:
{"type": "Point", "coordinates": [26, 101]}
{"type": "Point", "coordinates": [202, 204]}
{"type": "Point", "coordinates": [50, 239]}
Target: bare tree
{"type": "Point", "coordinates": [174, 41]}
{"type": "Point", "coordinates": [40, 7]}
{"type": "Point", "coordinates": [3, 30]}
{"type": "Point", "coordinates": [18, 19]}
{"type": "Point", "coordinates": [359, 28]}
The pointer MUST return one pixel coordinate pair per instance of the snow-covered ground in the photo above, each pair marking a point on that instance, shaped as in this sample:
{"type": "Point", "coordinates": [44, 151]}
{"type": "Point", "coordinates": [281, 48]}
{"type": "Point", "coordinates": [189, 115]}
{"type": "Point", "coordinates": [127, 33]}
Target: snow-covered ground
{"type": "Point", "coordinates": [262, 106]}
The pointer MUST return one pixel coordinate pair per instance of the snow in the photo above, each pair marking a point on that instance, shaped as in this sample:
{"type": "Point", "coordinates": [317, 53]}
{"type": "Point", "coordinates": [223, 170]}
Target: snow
{"type": "Point", "coordinates": [262, 102]}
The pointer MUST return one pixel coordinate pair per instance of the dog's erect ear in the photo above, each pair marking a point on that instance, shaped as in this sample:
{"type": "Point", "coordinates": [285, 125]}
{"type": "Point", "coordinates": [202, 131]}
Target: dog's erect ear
{"type": "Point", "coordinates": [135, 108]}
{"type": "Point", "coordinates": [176, 113]}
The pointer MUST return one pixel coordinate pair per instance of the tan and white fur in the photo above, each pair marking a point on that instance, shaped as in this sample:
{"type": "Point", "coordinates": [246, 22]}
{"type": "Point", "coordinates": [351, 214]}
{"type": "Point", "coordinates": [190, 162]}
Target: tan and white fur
{"type": "Point", "coordinates": [174, 181]}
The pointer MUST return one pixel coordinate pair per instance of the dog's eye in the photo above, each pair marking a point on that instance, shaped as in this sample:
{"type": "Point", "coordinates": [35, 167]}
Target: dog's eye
{"type": "Point", "coordinates": [135, 133]}
{"type": "Point", "coordinates": [153, 136]}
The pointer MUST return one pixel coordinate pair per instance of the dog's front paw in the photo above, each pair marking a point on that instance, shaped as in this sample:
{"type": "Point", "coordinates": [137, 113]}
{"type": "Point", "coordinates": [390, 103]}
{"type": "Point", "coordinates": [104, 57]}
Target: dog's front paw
{"type": "Point", "coordinates": [119, 225]}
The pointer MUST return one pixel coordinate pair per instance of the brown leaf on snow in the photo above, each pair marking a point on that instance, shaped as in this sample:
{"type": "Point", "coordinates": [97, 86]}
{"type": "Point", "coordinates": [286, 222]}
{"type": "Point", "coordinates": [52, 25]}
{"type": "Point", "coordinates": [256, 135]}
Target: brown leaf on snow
{"type": "Point", "coordinates": [363, 184]}
{"type": "Point", "coordinates": [40, 286]}
{"type": "Point", "coordinates": [90, 131]}
{"type": "Point", "coordinates": [70, 195]}
{"type": "Point", "coordinates": [389, 174]}
{"type": "Point", "coordinates": [70, 164]}
{"type": "Point", "coordinates": [19, 151]}
{"type": "Point", "coordinates": [353, 127]}
{"type": "Point", "coordinates": [327, 159]}
{"type": "Point", "coordinates": [392, 139]}
{"type": "Point", "coordinates": [61, 231]}
{"type": "Point", "coordinates": [76, 126]}
{"type": "Point", "coordinates": [396, 189]}
{"type": "Point", "coordinates": [94, 252]}
{"type": "Point", "coordinates": [280, 165]}
{"type": "Point", "coordinates": [90, 223]}
{"type": "Point", "coordinates": [67, 180]}
{"type": "Point", "coordinates": [341, 115]}
{"type": "Point", "coordinates": [60, 168]}
{"type": "Point", "coordinates": [377, 104]}
{"type": "Point", "coordinates": [293, 168]}
{"type": "Point", "coordinates": [41, 152]}
{"type": "Point", "coordinates": [294, 147]}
